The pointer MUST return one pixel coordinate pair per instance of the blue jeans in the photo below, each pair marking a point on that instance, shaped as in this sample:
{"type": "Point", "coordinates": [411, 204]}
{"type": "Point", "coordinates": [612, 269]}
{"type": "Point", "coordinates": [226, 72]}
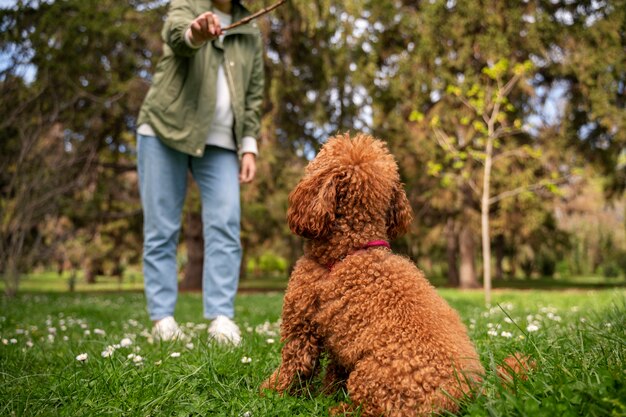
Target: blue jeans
{"type": "Point", "coordinates": [163, 185]}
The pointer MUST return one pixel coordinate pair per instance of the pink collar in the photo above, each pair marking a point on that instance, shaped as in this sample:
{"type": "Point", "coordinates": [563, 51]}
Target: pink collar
{"type": "Point", "coordinates": [370, 244]}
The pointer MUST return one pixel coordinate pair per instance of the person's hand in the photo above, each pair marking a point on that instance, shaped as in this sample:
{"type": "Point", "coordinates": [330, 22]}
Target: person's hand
{"type": "Point", "coordinates": [248, 168]}
{"type": "Point", "coordinates": [204, 27]}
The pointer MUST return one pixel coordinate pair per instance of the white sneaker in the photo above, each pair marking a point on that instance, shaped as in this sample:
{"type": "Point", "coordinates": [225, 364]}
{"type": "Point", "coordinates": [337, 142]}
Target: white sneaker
{"type": "Point", "coordinates": [166, 330]}
{"type": "Point", "coordinates": [224, 330]}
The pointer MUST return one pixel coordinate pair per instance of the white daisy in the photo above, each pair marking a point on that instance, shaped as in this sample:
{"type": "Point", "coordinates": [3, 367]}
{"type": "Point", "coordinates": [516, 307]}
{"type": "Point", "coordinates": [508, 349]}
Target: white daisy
{"type": "Point", "coordinates": [532, 327]}
{"type": "Point", "coordinates": [108, 352]}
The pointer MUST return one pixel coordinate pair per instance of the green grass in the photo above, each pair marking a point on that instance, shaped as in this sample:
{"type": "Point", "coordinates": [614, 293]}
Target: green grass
{"type": "Point", "coordinates": [133, 281]}
{"type": "Point", "coordinates": [53, 282]}
{"type": "Point", "coordinates": [579, 348]}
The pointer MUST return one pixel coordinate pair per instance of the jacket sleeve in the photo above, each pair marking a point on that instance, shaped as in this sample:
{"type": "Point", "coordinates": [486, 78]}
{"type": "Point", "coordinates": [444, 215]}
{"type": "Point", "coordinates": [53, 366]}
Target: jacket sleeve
{"type": "Point", "coordinates": [180, 15]}
{"type": "Point", "coordinates": [254, 94]}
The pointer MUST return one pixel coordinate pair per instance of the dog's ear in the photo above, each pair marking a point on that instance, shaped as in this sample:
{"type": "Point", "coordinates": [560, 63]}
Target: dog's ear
{"type": "Point", "coordinates": [312, 205]}
{"type": "Point", "coordinates": [399, 215]}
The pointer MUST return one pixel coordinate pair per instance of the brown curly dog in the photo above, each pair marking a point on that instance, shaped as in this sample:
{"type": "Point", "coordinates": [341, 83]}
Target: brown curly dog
{"type": "Point", "coordinates": [389, 337]}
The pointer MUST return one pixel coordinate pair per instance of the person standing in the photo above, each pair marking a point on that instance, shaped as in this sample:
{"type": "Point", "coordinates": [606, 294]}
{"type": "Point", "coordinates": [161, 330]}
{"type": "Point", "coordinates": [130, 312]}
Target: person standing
{"type": "Point", "coordinates": [201, 112]}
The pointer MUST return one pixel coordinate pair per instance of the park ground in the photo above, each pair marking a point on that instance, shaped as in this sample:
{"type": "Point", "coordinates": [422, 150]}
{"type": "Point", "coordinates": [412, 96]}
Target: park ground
{"type": "Point", "coordinates": [86, 354]}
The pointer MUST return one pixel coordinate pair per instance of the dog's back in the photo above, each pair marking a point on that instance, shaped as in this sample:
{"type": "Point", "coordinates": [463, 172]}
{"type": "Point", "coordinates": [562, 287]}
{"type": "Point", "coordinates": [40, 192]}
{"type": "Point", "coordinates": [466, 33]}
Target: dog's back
{"type": "Point", "coordinates": [407, 349]}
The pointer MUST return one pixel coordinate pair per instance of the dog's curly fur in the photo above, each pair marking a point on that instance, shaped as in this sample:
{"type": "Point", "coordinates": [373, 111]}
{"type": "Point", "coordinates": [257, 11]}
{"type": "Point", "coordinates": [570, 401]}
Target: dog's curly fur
{"type": "Point", "coordinates": [397, 346]}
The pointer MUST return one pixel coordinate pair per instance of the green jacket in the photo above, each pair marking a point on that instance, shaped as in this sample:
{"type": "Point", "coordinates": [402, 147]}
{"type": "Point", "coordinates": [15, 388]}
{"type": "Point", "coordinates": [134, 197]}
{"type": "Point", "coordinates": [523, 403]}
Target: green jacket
{"type": "Point", "coordinates": [181, 101]}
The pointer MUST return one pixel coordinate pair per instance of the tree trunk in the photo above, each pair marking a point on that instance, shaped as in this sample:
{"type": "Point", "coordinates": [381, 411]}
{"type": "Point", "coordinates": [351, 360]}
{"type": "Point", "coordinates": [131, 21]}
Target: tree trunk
{"type": "Point", "coordinates": [295, 251]}
{"type": "Point", "coordinates": [467, 251]}
{"type": "Point", "coordinates": [194, 241]}
{"type": "Point", "coordinates": [11, 278]}
{"type": "Point", "coordinates": [452, 252]}
{"type": "Point", "coordinates": [499, 249]}
{"type": "Point", "coordinates": [243, 267]}
{"type": "Point", "coordinates": [512, 267]}
{"type": "Point", "coordinates": [91, 271]}
{"type": "Point", "coordinates": [10, 260]}
{"type": "Point", "coordinates": [484, 216]}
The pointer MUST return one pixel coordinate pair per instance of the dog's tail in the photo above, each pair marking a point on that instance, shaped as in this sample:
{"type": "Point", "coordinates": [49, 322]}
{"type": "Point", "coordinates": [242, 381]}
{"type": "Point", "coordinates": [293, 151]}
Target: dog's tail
{"type": "Point", "coordinates": [514, 366]}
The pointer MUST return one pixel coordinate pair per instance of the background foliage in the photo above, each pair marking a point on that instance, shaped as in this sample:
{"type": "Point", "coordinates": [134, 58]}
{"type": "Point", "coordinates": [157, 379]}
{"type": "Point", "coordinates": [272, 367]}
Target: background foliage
{"type": "Point", "coordinates": [74, 72]}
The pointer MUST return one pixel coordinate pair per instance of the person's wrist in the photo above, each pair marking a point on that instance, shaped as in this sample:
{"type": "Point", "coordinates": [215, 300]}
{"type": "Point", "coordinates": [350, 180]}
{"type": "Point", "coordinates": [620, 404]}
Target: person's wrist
{"type": "Point", "coordinates": [191, 41]}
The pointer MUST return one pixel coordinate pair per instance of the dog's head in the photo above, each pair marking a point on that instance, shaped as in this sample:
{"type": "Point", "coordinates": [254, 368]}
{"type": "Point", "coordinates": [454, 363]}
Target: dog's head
{"type": "Point", "coordinates": [353, 178]}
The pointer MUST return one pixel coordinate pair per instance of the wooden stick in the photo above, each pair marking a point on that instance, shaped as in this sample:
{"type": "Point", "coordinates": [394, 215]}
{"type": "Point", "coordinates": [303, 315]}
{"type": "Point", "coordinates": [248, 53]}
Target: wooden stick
{"type": "Point", "coordinates": [253, 16]}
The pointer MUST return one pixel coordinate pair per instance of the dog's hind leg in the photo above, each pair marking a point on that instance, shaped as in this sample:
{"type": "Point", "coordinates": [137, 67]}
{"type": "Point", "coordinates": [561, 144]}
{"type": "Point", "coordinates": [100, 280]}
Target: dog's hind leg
{"type": "Point", "coordinates": [335, 377]}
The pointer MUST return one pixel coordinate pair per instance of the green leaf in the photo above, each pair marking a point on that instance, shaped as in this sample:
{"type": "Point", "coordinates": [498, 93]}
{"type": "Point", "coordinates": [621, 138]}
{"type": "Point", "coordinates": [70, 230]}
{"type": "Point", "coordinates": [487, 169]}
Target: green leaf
{"type": "Point", "coordinates": [454, 90]}
{"type": "Point", "coordinates": [553, 188]}
{"type": "Point", "coordinates": [480, 126]}
{"type": "Point", "coordinates": [433, 168]}
{"type": "Point", "coordinates": [497, 70]}
{"type": "Point", "coordinates": [416, 116]}
{"type": "Point", "coordinates": [474, 90]}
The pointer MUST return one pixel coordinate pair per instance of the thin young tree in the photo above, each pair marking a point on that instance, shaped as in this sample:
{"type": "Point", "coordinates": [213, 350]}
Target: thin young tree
{"type": "Point", "coordinates": [493, 119]}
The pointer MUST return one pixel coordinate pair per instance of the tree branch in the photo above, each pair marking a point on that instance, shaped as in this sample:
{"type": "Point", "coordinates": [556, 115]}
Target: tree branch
{"type": "Point", "coordinates": [502, 132]}
{"type": "Point", "coordinates": [514, 152]}
{"type": "Point", "coordinates": [254, 16]}
{"type": "Point", "coordinates": [473, 186]}
{"type": "Point", "coordinates": [443, 142]}
{"type": "Point", "coordinates": [532, 187]}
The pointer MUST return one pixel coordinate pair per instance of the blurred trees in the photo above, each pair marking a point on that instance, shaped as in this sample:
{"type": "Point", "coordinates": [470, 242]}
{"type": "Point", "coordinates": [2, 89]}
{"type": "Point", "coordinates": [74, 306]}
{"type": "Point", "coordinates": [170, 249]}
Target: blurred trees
{"type": "Point", "coordinates": [69, 84]}
{"type": "Point", "coordinates": [74, 74]}
{"type": "Point", "coordinates": [429, 48]}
